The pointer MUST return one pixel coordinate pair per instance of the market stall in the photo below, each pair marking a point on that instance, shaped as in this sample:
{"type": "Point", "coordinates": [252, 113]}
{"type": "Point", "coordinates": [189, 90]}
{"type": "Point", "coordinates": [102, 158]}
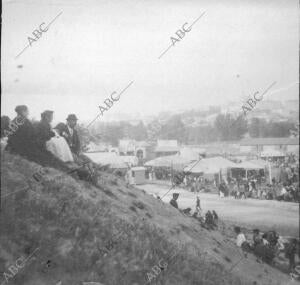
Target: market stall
{"type": "Point", "coordinates": [138, 174]}
{"type": "Point", "coordinates": [213, 167]}
{"type": "Point", "coordinates": [175, 162]}
{"type": "Point", "coordinates": [248, 166]}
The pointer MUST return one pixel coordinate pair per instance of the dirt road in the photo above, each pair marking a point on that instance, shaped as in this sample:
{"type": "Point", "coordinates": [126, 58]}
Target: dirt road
{"type": "Point", "coordinates": [252, 213]}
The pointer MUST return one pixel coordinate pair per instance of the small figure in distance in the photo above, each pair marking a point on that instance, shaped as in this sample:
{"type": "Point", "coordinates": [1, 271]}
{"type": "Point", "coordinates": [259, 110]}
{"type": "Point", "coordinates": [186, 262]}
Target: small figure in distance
{"type": "Point", "coordinates": [241, 241]}
{"type": "Point", "coordinates": [173, 201]}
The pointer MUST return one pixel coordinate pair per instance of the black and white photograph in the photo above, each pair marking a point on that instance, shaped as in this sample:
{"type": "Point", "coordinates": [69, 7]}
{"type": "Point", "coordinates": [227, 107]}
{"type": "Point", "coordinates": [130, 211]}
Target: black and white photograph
{"type": "Point", "coordinates": [150, 142]}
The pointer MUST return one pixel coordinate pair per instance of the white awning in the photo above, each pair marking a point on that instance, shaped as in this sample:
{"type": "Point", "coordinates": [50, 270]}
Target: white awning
{"type": "Point", "coordinates": [111, 158]}
{"type": "Point", "coordinates": [272, 153]}
{"type": "Point", "coordinates": [175, 161]}
{"type": "Point", "coordinates": [248, 165]}
{"type": "Point", "coordinates": [210, 165]}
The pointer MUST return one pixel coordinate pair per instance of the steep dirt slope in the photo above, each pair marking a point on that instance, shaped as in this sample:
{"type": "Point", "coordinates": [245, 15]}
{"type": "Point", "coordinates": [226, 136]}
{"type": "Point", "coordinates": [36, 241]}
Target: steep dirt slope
{"type": "Point", "coordinates": [67, 232]}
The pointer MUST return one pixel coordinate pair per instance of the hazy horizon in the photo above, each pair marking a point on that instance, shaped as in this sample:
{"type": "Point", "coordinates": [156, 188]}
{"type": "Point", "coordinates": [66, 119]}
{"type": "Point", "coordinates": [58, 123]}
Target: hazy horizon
{"type": "Point", "coordinates": [97, 47]}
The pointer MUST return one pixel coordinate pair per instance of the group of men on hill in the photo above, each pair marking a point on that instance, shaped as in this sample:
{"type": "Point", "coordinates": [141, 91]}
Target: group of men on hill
{"type": "Point", "coordinates": [57, 147]}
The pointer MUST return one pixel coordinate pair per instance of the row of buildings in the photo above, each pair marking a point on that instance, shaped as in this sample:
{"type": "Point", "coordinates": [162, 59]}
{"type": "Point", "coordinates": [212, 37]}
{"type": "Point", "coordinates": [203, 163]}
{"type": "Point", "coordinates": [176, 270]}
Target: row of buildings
{"type": "Point", "coordinates": [259, 147]}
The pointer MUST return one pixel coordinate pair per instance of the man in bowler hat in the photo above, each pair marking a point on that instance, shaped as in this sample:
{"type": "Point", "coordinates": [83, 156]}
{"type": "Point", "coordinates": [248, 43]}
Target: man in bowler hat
{"type": "Point", "coordinates": [69, 132]}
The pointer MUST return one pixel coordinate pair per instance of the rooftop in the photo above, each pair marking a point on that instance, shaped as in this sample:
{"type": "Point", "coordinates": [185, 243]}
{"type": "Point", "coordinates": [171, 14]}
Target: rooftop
{"type": "Point", "coordinates": [167, 148]}
{"type": "Point", "coordinates": [270, 141]}
{"type": "Point", "coordinates": [172, 143]}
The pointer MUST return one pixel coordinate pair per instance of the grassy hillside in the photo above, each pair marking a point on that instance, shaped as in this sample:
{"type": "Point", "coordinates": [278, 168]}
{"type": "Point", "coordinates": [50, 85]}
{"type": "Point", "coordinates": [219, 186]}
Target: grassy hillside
{"type": "Point", "coordinates": [66, 232]}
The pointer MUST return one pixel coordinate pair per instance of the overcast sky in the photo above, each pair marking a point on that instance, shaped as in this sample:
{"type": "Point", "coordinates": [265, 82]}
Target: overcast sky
{"type": "Point", "coordinates": [97, 47]}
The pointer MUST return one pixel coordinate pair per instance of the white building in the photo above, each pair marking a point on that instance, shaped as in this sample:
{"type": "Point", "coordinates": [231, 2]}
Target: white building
{"type": "Point", "coordinates": [258, 145]}
{"type": "Point", "coordinates": [133, 147]}
{"type": "Point", "coordinates": [166, 147]}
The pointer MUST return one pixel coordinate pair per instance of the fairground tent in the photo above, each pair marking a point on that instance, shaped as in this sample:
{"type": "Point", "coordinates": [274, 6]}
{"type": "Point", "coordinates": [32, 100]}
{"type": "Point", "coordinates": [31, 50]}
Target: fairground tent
{"type": "Point", "coordinates": [191, 153]}
{"type": "Point", "coordinates": [210, 165]}
{"type": "Point", "coordinates": [176, 162]}
{"type": "Point", "coordinates": [248, 165]}
{"type": "Point", "coordinates": [273, 153]}
{"type": "Point", "coordinates": [111, 158]}
{"type": "Point", "coordinates": [260, 162]}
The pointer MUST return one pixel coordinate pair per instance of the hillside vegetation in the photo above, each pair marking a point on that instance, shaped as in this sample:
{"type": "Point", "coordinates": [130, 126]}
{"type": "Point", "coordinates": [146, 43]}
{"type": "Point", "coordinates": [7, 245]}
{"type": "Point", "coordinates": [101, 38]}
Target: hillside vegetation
{"type": "Point", "coordinates": [66, 231]}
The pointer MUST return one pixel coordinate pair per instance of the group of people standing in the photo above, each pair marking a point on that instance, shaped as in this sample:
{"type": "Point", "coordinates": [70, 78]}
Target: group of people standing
{"type": "Point", "coordinates": [250, 188]}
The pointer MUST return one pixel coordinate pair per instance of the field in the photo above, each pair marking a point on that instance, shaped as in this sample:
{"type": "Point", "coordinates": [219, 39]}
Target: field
{"type": "Point", "coordinates": [251, 213]}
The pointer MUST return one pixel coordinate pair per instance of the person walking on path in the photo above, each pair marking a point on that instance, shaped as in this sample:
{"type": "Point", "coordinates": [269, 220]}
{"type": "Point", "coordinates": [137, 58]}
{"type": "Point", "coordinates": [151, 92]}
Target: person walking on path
{"type": "Point", "coordinates": [198, 207]}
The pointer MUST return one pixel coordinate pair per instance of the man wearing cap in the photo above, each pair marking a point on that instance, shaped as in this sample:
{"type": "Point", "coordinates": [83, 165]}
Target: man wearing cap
{"type": "Point", "coordinates": [43, 129]}
{"type": "Point", "coordinates": [21, 137]}
{"type": "Point", "coordinates": [173, 201]}
{"type": "Point", "coordinates": [69, 132]}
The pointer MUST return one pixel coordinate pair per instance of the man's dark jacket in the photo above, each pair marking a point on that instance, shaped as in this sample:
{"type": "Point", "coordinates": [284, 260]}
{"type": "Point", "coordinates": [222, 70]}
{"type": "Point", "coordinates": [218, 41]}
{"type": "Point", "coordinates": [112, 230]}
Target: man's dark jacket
{"type": "Point", "coordinates": [43, 134]}
{"type": "Point", "coordinates": [24, 141]}
{"type": "Point", "coordinates": [21, 141]}
{"type": "Point", "coordinates": [173, 202]}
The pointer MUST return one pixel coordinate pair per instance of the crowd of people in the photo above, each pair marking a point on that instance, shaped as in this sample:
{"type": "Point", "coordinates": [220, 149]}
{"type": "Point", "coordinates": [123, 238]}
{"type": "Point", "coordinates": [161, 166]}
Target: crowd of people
{"type": "Point", "coordinates": [158, 173]}
{"type": "Point", "coordinates": [266, 246]}
{"type": "Point", "coordinates": [255, 186]}
{"type": "Point", "coordinates": [196, 183]}
{"type": "Point", "coordinates": [251, 188]}
{"type": "Point", "coordinates": [285, 187]}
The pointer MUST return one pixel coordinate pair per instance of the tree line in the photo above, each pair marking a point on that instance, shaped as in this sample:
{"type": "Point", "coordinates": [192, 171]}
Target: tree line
{"type": "Point", "coordinates": [225, 127]}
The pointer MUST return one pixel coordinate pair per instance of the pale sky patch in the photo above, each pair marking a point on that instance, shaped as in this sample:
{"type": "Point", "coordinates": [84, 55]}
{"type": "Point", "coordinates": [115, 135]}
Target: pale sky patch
{"type": "Point", "coordinates": [97, 47]}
